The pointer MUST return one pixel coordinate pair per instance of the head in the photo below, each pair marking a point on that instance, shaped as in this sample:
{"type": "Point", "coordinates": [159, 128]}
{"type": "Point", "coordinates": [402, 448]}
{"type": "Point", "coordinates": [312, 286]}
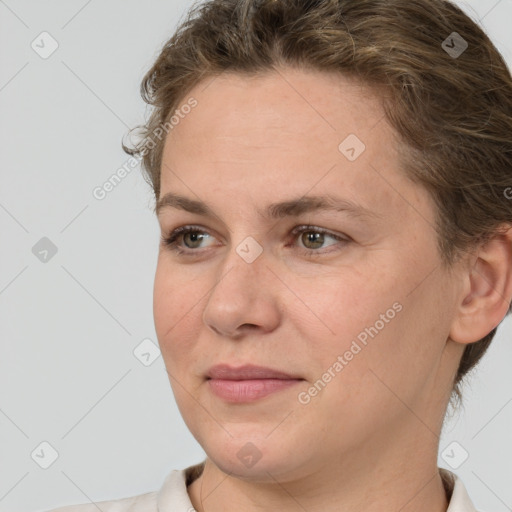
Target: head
{"type": "Point", "coordinates": [260, 102]}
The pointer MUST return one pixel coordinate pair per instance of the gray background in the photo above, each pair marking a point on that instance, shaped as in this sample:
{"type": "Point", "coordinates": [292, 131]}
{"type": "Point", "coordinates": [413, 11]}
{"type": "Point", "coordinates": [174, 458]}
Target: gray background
{"type": "Point", "coordinates": [69, 326]}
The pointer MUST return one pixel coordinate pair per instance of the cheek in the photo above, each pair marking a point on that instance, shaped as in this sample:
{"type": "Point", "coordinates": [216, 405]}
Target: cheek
{"type": "Point", "coordinates": [165, 304]}
{"type": "Point", "coordinates": [367, 312]}
{"type": "Point", "coordinates": [176, 309]}
{"type": "Point", "coordinates": [406, 355]}
{"type": "Point", "coordinates": [346, 302]}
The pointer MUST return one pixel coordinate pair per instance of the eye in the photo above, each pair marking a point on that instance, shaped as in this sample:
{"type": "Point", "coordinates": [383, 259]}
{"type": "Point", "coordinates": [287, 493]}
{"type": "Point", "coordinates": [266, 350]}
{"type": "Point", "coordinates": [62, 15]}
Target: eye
{"type": "Point", "coordinates": [314, 238]}
{"type": "Point", "coordinates": [191, 236]}
{"type": "Point", "coordinates": [193, 239]}
{"type": "Point", "coordinates": [187, 239]}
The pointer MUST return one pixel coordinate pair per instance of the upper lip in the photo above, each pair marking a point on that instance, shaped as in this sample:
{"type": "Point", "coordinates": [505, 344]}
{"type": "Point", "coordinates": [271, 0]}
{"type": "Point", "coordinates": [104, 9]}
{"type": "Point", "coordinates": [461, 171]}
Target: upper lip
{"type": "Point", "coordinates": [246, 372]}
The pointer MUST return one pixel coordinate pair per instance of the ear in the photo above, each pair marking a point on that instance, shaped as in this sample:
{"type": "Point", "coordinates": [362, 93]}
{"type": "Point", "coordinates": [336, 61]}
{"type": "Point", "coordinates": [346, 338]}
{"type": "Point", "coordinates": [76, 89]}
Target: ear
{"type": "Point", "coordinates": [487, 290]}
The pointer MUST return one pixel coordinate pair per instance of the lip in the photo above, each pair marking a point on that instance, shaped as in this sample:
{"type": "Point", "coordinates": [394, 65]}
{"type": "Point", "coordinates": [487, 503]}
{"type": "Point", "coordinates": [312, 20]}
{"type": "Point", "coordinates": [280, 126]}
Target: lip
{"type": "Point", "coordinates": [247, 372]}
{"type": "Point", "coordinates": [247, 383]}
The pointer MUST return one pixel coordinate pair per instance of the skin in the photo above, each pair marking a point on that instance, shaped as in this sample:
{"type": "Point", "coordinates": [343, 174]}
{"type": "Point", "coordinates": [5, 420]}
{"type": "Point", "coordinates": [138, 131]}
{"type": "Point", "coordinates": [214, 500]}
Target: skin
{"type": "Point", "coordinates": [369, 440]}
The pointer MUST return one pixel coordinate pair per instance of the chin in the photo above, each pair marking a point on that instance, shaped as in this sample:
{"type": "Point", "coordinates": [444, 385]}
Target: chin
{"type": "Point", "coordinates": [257, 459]}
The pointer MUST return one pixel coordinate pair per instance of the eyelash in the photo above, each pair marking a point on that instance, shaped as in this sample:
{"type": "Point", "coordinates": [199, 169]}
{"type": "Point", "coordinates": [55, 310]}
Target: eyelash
{"type": "Point", "coordinates": [171, 240]}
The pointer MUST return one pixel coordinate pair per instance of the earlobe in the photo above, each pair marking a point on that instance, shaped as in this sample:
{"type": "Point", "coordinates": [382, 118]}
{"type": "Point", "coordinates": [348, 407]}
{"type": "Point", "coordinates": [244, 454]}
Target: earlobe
{"type": "Point", "coordinates": [487, 293]}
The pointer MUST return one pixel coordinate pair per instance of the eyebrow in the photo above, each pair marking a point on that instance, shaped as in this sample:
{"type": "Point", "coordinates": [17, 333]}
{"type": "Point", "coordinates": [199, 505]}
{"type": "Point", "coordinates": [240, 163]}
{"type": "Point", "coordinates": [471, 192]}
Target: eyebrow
{"type": "Point", "coordinates": [290, 208]}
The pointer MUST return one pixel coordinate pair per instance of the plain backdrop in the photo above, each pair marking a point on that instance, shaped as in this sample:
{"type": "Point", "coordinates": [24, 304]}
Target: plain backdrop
{"type": "Point", "coordinates": [76, 273]}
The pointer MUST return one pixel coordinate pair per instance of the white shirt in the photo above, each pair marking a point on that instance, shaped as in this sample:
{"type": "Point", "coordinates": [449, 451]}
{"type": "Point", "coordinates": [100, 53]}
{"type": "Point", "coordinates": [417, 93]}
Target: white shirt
{"type": "Point", "coordinates": [173, 496]}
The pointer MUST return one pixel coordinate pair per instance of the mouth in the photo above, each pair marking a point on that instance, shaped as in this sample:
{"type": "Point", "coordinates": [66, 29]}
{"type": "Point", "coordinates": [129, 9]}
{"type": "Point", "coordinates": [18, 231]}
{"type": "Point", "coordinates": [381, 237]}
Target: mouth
{"type": "Point", "coordinates": [248, 383]}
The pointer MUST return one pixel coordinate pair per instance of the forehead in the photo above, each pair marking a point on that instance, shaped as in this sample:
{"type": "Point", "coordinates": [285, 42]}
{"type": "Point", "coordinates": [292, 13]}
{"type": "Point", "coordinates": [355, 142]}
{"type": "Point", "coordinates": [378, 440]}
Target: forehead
{"type": "Point", "coordinates": [292, 130]}
{"type": "Point", "coordinates": [303, 103]}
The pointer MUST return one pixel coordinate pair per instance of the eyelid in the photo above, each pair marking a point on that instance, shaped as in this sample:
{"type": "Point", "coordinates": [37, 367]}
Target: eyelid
{"type": "Point", "coordinates": [308, 227]}
{"type": "Point", "coordinates": [170, 239]}
{"type": "Point", "coordinates": [341, 239]}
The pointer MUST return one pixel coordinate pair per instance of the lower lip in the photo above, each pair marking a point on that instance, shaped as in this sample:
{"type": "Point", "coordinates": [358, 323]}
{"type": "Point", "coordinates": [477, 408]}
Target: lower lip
{"type": "Point", "coordinates": [248, 390]}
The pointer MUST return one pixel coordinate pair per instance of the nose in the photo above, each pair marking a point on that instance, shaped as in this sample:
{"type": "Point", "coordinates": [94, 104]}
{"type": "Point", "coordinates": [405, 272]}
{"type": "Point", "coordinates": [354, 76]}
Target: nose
{"type": "Point", "coordinates": [244, 298]}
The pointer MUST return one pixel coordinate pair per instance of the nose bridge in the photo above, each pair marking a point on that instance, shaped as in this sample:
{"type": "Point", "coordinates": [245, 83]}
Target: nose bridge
{"type": "Point", "coordinates": [243, 268]}
{"type": "Point", "coordinates": [239, 295]}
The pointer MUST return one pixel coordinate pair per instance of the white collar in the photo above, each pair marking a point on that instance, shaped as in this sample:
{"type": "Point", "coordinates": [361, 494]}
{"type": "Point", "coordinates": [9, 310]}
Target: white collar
{"type": "Point", "coordinates": [460, 500]}
{"type": "Point", "coordinates": [173, 495]}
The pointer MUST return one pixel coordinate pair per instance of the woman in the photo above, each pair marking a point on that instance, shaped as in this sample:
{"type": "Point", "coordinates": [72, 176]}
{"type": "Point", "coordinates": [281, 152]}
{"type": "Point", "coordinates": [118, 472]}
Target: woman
{"type": "Point", "coordinates": [336, 251]}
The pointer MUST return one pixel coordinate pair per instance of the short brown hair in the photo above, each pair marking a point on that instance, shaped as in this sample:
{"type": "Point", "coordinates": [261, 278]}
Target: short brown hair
{"type": "Point", "coordinates": [452, 112]}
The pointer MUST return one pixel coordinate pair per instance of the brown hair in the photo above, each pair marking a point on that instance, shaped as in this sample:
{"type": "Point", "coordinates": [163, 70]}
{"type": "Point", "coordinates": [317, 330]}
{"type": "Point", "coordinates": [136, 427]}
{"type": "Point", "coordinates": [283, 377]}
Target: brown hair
{"type": "Point", "coordinates": [452, 112]}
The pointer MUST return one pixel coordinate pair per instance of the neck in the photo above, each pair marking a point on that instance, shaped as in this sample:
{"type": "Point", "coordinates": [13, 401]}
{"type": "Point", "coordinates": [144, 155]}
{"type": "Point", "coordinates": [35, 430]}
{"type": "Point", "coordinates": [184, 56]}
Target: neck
{"type": "Point", "coordinates": [407, 490]}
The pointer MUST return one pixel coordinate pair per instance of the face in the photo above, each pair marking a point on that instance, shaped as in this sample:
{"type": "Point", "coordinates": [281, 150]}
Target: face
{"type": "Point", "coordinates": [350, 298]}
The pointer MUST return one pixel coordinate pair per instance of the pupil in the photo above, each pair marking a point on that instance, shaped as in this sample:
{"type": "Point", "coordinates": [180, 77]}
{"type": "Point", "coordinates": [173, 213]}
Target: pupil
{"type": "Point", "coordinates": [314, 238]}
{"type": "Point", "coordinates": [195, 237]}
